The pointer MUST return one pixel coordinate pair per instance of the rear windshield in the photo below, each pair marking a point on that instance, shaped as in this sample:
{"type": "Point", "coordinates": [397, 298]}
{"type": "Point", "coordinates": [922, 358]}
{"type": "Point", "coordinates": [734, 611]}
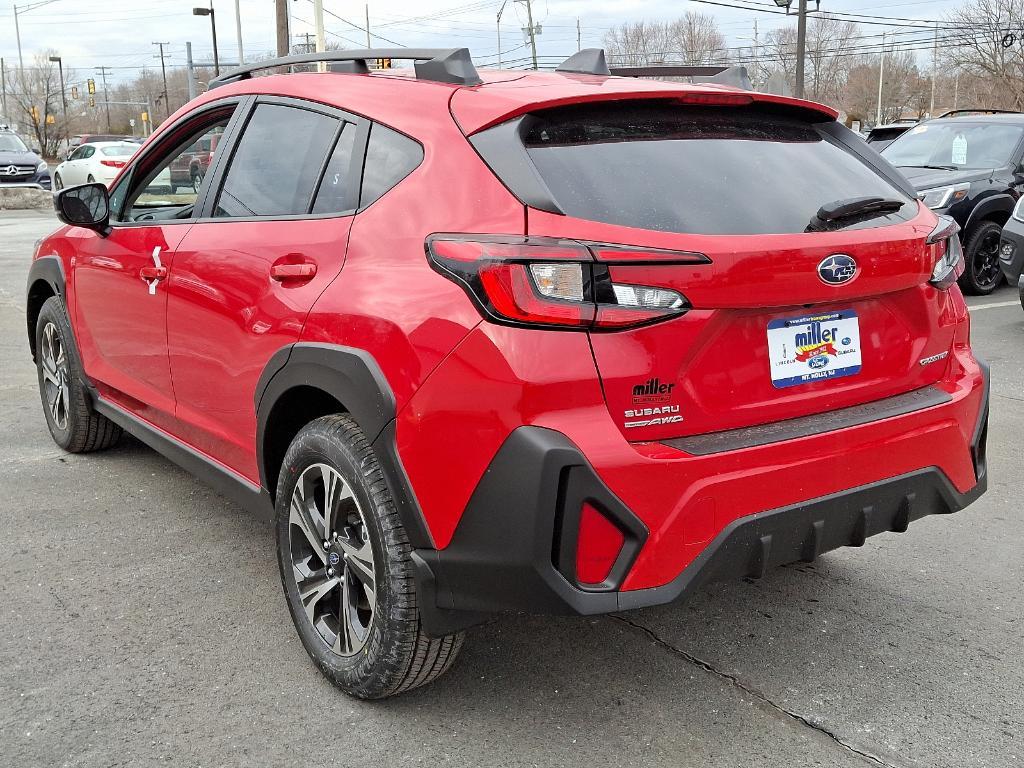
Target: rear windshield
{"type": "Point", "coordinates": [119, 150]}
{"type": "Point", "coordinates": [697, 170]}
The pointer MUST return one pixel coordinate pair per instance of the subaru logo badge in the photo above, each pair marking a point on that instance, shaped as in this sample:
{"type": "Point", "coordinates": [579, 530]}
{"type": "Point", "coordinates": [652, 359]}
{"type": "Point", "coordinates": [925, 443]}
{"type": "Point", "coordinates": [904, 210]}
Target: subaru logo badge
{"type": "Point", "coordinates": [333, 557]}
{"type": "Point", "coordinates": [837, 269]}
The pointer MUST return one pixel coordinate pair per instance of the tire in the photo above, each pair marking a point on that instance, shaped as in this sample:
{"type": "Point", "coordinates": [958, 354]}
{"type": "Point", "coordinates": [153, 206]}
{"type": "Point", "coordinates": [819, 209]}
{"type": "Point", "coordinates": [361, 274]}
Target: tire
{"type": "Point", "coordinates": [982, 273]}
{"type": "Point", "coordinates": [58, 182]}
{"type": "Point", "coordinates": [383, 650]}
{"type": "Point", "coordinates": [70, 417]}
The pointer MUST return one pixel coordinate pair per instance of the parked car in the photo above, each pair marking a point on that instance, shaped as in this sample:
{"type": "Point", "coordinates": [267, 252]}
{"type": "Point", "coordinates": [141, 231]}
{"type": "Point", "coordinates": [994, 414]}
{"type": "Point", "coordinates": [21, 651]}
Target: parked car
{"type": "Point", "coordinates": [190, 168]}
{"type": "Point", "coordinates": [882, 136]}
{"type": "Point", "coordinates": [19, 165]}
{"type": "Point", "coordinates": [95, 161]}
{"type": "Point", "coordinates": [969, 168]}
{"type": "Point", "coordinates": [515, 341]}
{"type": "Point", "coordinates": [1011, 249]}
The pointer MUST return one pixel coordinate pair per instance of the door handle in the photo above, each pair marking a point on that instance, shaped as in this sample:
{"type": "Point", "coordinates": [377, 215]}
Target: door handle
{"type": "Point", "coordinates": [153, 275]}
{"type": "Point", "coordinates": [283, 272]}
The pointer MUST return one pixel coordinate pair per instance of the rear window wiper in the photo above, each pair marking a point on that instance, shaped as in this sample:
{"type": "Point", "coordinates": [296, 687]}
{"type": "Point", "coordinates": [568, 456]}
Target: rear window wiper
{"type": "Point", "coordinates": [831, 214]}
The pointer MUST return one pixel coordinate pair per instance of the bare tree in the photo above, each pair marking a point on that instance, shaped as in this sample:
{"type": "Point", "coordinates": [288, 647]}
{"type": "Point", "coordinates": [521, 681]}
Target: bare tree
{"type": "Point", "coordinates": [905, 92]}
{"type": "Point", "coordinates": [986, 42]}
{"type": "Point", "coordinates": [692, 39]}
{"type": "Point", "coordinates": [831, 54]}
{"type": "Point", "coordinates": [34, 99]}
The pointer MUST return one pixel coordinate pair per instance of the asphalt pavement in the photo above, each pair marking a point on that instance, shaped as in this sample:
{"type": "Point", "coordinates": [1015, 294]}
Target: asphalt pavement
{"type": "Point", "coordinates": [142, 623]}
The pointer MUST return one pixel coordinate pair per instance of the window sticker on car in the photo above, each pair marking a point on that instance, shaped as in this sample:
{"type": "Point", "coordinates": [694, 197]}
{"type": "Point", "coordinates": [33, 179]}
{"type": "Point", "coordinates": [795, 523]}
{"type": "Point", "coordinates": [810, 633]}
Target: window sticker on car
{"type": "Point", "coordinates": [959, 154]}
{"type": "Point", "coordinates": [813, 348]}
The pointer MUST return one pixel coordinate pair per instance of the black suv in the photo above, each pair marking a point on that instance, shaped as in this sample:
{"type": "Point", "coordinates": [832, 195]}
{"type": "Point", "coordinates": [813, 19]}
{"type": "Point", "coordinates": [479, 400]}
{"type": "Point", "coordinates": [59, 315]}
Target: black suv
{"type": "Point", "coordinates": [971, 169]}
{"type": "Point", "coordinates": [20, 166]}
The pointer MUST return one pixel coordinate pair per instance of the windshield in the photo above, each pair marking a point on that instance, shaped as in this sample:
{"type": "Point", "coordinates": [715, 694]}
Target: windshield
{"type": "Point", "coordinates": [954, 145]}
{"type": "Point", "coordinates": [119, 150]}
{"type": "Point", "coordinates": [11, 143]}
{"type": "Point", "coordinates": [697, 170]}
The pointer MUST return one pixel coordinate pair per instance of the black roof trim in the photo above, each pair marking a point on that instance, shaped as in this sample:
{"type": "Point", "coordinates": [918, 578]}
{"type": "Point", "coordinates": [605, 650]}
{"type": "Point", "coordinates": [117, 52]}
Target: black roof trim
{"type": "Point", "coordinates": [442, 65]}
{"type": "Point", "coordinates": [589, 61]}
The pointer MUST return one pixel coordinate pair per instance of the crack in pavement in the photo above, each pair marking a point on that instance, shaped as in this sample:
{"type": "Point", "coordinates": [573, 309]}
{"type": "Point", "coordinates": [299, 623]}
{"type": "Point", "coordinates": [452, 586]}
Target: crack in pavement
{"type": "Point", "coordinates": [735, 681]}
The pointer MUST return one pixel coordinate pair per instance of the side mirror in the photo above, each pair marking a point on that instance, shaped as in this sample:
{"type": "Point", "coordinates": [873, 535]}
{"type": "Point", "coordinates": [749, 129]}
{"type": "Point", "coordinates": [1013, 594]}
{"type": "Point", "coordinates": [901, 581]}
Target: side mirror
{"type": "Point", "coordinates": [86, 206]}
{"type": "Point", "coordinates": [38, 151]}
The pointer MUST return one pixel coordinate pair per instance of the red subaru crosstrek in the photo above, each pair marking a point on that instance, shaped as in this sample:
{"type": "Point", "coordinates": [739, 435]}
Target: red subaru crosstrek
{"type": "Point", "coordinates": [510, 341]}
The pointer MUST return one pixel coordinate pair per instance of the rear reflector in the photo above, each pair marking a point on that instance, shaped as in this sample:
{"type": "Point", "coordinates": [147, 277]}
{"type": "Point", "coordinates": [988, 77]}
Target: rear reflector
{"type": "Point", "coordinates": [597, 548]}
{"type": "Point", "coordinates": [558, 283]}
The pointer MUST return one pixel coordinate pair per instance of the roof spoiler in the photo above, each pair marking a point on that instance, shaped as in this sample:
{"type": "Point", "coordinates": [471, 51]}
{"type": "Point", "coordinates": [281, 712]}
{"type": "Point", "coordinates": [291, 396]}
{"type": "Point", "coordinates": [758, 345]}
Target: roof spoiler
{"type": "Point", "coordinates": [442, 65]}
{"type": "Point", "coordinates": [734, 76]}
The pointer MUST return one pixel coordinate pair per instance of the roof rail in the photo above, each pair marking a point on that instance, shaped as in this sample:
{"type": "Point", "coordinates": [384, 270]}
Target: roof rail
{"type": "Point", "coordinates": [589, 61]}
{"type": "Point", "coordinates": [954, 112]}
{"type": "Point", "coordinates": [442, 65]}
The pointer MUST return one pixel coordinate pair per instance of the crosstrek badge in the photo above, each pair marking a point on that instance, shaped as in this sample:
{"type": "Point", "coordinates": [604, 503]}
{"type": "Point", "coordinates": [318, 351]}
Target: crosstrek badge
{"type": "Point", "coordinates": [813, 348]}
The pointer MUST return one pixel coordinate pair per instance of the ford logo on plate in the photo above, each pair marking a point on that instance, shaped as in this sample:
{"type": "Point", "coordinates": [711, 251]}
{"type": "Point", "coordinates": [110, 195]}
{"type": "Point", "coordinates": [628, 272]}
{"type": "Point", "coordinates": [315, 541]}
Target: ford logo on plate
{"type": "Point", "coordinates": [837, 269]}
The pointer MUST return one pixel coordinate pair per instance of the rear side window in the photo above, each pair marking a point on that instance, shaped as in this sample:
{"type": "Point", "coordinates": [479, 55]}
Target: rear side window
{"type": "Point", "coordinates": [335, 194]}
{"type": "Point", "coordinates": [276, 165]}
{"type": "Point", "coordinates": [390, 157]}
{"type": "Point", "coordinates": [699, 170]}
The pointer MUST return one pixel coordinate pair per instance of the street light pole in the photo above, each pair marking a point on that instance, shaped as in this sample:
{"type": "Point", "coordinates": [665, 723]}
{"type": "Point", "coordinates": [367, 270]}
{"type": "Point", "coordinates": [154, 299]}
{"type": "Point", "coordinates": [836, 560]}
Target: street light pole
{"type": "Point", "coordinates": [238, 31]}
{"type": "Point", "coordinates": [500, 11]}
{"type": "Point", "coordinates": [213, 28]}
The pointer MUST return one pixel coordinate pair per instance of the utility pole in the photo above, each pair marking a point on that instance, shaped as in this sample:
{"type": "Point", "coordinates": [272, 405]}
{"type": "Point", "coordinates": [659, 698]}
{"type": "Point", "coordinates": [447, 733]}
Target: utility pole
{"type": "Point", "coordinates": [801, 47]}
{"type": "Point", "coordinates": [368, 43]}
{"type": "Point", "coordinates": [281, 12]}
{"type": "Point", "coordinates": [757, 61]}
{"type": "Point", "coordinates": [190, 71]}
{"type": "Point", "coordinates": [318, 22]}
{"type": "Point", "coordinates": [163, 70]}
{"type": "Point", "coordinates": [106, 99]}
{"type": "Point", "coordinates": [500, 11]}
{"type": "Point", "coordinates": [881, 74]}
{"type": "Point", "coordinates": [238, 31]}
{"type": "Point", "coordinates": [935, 57]}
{"type": "Point", "coordinates": [533, 29]}
{"type": "Point", "coordinates": [3, 88]}
{"type": "Point", "coordinates": [579, 38]}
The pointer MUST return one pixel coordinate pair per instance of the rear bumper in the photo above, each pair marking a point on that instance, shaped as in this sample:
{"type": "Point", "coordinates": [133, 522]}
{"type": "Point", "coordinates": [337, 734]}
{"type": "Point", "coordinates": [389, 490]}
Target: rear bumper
{"type": "Point", "coordinates": [512, 549]}
{"type": "Point", "coordinates": [1013, 263]}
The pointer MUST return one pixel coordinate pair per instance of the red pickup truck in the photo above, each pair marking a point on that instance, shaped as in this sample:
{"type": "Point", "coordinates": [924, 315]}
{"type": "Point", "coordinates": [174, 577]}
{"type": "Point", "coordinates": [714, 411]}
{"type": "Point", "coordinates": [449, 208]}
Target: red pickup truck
{"type": "Point", "coordinates": [189, 168]}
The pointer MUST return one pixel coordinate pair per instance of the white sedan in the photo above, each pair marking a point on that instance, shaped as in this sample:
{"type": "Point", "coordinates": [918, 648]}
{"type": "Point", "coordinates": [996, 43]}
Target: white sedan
{"type": "Point", "coordinates": [100, 162]}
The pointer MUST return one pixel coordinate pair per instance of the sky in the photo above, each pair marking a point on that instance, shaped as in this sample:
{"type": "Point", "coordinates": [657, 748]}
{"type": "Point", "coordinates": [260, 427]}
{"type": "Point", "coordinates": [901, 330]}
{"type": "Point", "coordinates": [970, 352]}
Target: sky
{"type": "Point", "coordinates": [120, 33]}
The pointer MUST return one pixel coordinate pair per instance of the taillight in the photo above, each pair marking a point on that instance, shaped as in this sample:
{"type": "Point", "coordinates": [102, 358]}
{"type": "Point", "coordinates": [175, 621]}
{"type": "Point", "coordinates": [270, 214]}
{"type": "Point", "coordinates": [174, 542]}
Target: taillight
{"type": "Point", "coordinates": [555, 283]}
{"type": "Point", "coordinates": [114, 163]}
{"type": "Point", "coordinates": [944, 244]}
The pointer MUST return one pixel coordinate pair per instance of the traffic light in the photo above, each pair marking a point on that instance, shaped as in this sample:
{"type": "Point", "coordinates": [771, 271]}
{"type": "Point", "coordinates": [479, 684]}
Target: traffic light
{"type": "Point", "coordinates": [92, 102]}
{"type": "Point", "coordinates": [145, 117]}
{"type": "Point", "coordinates": [92, 86]}
{"type": "Point", "coordinates": [74, 91]}
{"type": "Point", "coordinates": [383, 64]}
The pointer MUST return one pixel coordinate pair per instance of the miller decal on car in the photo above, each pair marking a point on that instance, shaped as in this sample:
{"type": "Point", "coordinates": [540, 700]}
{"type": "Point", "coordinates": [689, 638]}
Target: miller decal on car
{"type": "Point", "coordinates": [652, 391]}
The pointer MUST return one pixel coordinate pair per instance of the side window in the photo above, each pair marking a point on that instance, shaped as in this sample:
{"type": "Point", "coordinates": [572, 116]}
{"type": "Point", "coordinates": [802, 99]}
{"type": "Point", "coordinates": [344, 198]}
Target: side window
{"type": "Point", "coordinates": [170, 183]}
{"type": "Point", "coordinates": [336, 194]}
{"type": "Point", "coordinates": [87, 152]}
{"type": "Point", "coordinates": [277, 162]}
{"type": "Point", "coordinates": [390, 157]}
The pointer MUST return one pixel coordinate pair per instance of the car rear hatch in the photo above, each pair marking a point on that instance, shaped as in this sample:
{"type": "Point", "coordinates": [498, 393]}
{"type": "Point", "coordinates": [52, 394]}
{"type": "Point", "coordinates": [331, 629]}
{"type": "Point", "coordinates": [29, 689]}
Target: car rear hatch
{"type": "Point", "coordinates": [790, 303]}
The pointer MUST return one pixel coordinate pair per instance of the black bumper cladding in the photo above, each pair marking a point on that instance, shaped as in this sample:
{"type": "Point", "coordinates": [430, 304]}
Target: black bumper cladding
{"type": "Point", "coordinates": [508, 552]}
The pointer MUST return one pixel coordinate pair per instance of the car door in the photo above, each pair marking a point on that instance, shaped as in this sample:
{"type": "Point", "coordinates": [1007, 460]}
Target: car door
{"type": "Point", "coordinates": [75, 169]}
{"type": "Point", "coordinates": [272, 237]}
{"type": "Point", "coordinates": [120, 297]}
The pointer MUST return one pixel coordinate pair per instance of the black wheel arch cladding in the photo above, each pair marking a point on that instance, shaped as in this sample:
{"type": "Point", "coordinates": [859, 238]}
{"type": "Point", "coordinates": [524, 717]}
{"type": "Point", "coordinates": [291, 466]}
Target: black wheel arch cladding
{"type": "Point", "coordinates": [353, 379]}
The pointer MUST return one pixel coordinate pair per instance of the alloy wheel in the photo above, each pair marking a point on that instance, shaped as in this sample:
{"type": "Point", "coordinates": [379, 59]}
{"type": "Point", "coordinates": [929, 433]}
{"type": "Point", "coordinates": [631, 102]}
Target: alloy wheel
{"type": "Point", "coordinates": [985, 263]}
{"type": "Point", "coordinates": [56, 372]}
{"type": "Point", "coordinates": [332, 559]}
